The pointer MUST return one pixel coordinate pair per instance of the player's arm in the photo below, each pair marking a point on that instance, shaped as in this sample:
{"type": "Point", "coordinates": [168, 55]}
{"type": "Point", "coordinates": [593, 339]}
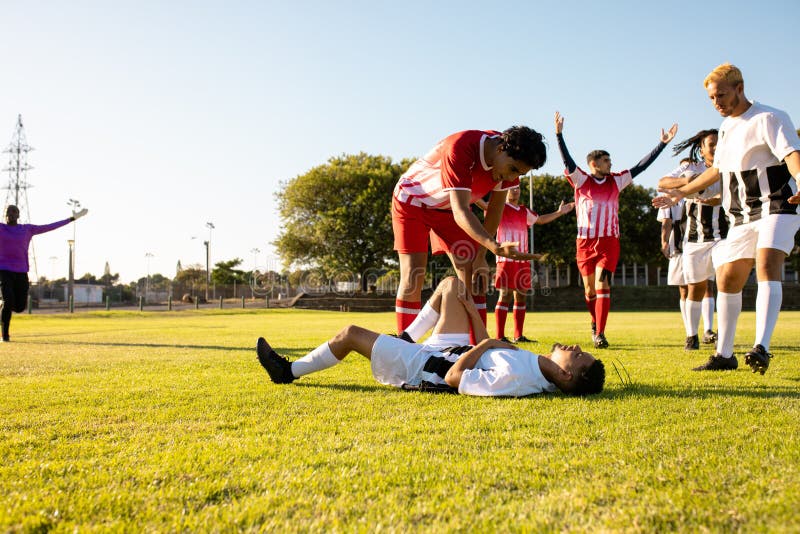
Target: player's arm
{"type": "Point", "coordinates": [666, 229]}
{"type": "Point", "coordinates": [42, 228]}
{"type": "Point", "coordinates": [672, 196]}
{"type": "Point", "coordinates": [665, 138]}
{"type": "Point", "coordinates": [469, 359]}
{"type": "Point", "coordinates": [793, 164]}
{"type": "Point", "coordinates": [563, 209]}
{"type": "Point", "coordinates": [672, 182]}
{"type": "Point", "coordinates": [467, 221]}
{"type": "Point", "coordinates": [569, 163]}
{"type": "Point", "coordinates": [494, 211]}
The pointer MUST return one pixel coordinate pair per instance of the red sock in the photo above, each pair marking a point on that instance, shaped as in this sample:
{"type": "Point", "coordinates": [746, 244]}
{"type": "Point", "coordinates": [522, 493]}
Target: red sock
{"type": "Point", "coordinates": [602, 306]}
{"type": "Point", "coordinates": [519, 319]}
{"type": "Point", "coordinates": [590, 305]}
{"type": "Point", "coordinates": [406, 311]}
{"type": "Point", "coordinates": [480, 305]}
{"type": "Point", "coordinates": [500, 314]}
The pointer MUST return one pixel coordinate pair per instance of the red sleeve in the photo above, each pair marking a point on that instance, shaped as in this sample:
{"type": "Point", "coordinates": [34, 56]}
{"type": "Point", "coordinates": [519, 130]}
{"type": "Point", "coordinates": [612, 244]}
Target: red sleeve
{"type": "Point", "coordinates": [459, 156]}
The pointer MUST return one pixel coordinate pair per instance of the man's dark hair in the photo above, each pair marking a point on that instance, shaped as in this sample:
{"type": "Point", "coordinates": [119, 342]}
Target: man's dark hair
{"type": "Point", "coordinates": [592, 380]}
{"type": "Point", "coordinates": [524, 144]}
{"type": "Point", "coordinates": [594, 155]}
{"type": "Point", "coordinates": [693, 143]}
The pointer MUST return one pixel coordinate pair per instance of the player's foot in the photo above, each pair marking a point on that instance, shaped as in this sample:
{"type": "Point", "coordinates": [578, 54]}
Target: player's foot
{"type": "Point", "coordinates": [523, 339]}
{"type": "Point", "coordinates": [600, 341]}
{"type": "Point", "coordinates": [709, 337]}
{"type": "Point", "coordinates": [5, 339]}
{"type": "Point", "coordinates": [758, 359]}
{"type": "Point", "coordinates": [717, 362]}
{"type": "Point", "coordinates": [504, 339]}
{"type": "Point", "coordinates": [278, 367]}
{"type": "Point", "coordinates": [692, 343]}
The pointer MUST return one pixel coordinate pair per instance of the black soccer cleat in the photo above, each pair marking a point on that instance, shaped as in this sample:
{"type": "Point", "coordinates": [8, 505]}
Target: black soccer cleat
{"type": "Point", "coordinates": [717, 362]}
{"type": "Point", "coordinates": [523, 339]}
{"type": "Point", "coordinates": [692, 343]}
{"type": "Point", "coordinates": [709, 337]}
{"type": "Point", "coordinates": [278, 368]}
{"type": "Point", "coordinates": [600, 341]}
{"type": "Point", "coordinates": [758, 359]}
{"type": "Point", "coordinates": [504, 339]}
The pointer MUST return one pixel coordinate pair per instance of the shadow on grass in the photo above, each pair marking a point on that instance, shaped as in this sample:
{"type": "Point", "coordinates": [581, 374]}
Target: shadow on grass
{"type": "Point", "coordinates": [695, 392]}
{"type": "Point", "coordinates": [148, 345]}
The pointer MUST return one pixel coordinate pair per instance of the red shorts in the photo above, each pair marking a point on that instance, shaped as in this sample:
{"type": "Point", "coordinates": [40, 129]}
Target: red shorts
{"type": "Point", "coordinates": [413, 226]}
{"type": "Point", "coordinates": [600, 252]}
{"type": "Point", "coordinates": [513, 275]}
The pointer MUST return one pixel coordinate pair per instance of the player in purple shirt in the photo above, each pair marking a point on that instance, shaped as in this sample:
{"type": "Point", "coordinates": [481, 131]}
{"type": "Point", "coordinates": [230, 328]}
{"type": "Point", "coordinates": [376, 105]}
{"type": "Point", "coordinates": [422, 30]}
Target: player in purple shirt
{"type": "Point", "coordinates": [14, 241]}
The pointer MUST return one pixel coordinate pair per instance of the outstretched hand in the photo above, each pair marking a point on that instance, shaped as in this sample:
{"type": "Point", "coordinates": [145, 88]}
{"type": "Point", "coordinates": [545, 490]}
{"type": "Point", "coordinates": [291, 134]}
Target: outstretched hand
{"type": "Point", "coordinates": [666, 137]}
{"type": "Point", "coordinates": [78, 214]}
{"type": "Point", "coordinates": [668, 199]}
{"type": "Point", "coordinates": [559, 123]}
{"type": "Point", "coordinates": [508, 249]}
{"type": "Point", "coordinates": [566, 207]}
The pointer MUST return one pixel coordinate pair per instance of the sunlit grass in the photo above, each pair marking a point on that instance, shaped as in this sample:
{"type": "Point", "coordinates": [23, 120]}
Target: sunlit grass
{"type": "Point", "coordinates": [165, 421]}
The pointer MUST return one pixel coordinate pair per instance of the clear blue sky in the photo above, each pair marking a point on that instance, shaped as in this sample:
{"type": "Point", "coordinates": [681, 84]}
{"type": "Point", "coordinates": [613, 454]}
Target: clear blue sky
{"type": "Point", "coordinates": [161, 116]}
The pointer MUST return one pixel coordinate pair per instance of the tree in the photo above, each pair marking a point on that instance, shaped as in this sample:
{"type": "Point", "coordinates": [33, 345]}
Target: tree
{"type": "Point", "coordinates": [337, 216]}
{"type": "Point", "coordinates": [226, 273]}
{"type": "Point", "coordinates": [639, 230]}
{"type": "Point", "coordinates": [193, 274]}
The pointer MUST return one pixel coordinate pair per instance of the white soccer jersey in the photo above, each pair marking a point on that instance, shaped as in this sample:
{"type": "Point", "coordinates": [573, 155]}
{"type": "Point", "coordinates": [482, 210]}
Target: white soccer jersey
{"type": "Point", "coordinates": [513, 228]}
{"type": "Point", "coordinates": [750, 153]}
{"type": "Point", "coordinates": [505, 373]}
{"type": "Point", "coordinates": [597, 202]}
{"type": "Point", "coordinates": [701, 223]}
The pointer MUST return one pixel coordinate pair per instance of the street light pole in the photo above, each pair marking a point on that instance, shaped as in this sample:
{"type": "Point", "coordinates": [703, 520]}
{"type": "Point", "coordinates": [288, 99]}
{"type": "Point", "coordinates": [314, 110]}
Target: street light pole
{"type": "Point", "coordinates": [74, 206]}
{"type": "Point", "coordinates": [210, 227]}
{"type": "Point", "coordinates": [71, 276]}
{"type": "Point", "coordinates": [147, 256]}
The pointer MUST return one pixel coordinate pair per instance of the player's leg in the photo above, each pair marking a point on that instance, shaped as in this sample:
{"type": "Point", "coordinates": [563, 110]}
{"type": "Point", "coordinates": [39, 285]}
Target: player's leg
{"type": "Point", "coordinates": [409, 292]}
{"type": "Point", "coordinates": [9, 301]}
{"type": "Point", "coordinates": [708, 305]}
{"type": "Point", "coordinates": [694, 304]}
{"type": "Point", "coordinates": [349, 339]}
{"type": "Point", "coordinates": [453, 318]}
{"type": "Point", "coordinates": [731, 278]}
{"type": "Point", "coordinates": [520, 308]}
{"type": "Point", "coordinates": [590, 296]}
{"type": "Point", "coordinates": [429, 315]}
{"type": "Point", "coordinates": [602, 287]}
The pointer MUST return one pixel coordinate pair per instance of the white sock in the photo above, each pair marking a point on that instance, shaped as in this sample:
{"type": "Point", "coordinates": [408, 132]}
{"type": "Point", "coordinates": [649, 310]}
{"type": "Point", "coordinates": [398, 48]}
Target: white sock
{"type": "Point", "coordinates": [684, 316]}
{"type": "Point", "coordinates": [425, 320]}
{"type": "Point", "coordinates": [708, 313]}
{"type": "Point", "coordinates": [693, 310]}
{"type": "Point", "coordinates": [316, 360]}
{"type": "Point", "coordinates": [768, 304]}
{"type": "Point", "coordinates": [729, 306]}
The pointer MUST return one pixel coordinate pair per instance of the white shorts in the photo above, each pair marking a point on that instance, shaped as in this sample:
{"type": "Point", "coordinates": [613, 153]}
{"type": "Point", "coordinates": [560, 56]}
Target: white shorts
{"type": "Point", "coordinates": [697, 264]}
{"type": "Point", "coordinates": [675, 272]}
{"type": "Point", "coordinates": [773, 231]}
{"type": "Point", "coordinates": [396, 362]}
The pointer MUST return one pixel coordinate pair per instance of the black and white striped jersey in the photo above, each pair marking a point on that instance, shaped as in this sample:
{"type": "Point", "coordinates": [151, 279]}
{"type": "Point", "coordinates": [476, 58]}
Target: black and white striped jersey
{"type": "Point", "coordinates": [750, 153]}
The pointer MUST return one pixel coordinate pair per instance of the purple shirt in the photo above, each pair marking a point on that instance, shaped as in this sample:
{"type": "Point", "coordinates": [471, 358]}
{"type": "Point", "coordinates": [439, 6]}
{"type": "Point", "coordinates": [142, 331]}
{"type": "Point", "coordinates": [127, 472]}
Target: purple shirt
{"type": "Point", "coordinates": [14, 241]}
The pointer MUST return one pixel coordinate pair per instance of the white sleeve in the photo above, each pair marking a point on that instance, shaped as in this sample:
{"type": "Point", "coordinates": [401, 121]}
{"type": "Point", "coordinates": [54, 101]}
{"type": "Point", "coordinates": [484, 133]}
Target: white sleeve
{"type": "Point", "coordinates": [676, 173]}
{"type": "Point", "coordinates": [623, 179]}
{"type": "Point", "coordinates": [780, 135]}
{"type": "Point", "coordinates": [664, 214]}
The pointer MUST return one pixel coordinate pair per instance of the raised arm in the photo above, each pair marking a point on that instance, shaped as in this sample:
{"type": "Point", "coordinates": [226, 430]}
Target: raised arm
{"type": "Point", "coordinates": [665, 138]}
{"type": "Point", "coordinates": [42, 228]}
{"type": "Point", "coordinates": [569, 163]}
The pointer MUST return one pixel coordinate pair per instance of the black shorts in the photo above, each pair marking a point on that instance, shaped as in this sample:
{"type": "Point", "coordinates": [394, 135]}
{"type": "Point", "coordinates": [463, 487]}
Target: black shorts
{"type": "Point", "coordinates": [14, 288]}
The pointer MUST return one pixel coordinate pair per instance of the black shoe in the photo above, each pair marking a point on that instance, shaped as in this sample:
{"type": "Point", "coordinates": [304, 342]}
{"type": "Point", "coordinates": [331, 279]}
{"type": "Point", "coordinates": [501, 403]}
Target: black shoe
{"type": "Point", "coordinates": [718, 362]}
{"type": "Point", "coordinates": [504, 338]}
{"type": "Point", "coordinates": [709, 337]}
{"type": "Point", "coordinates": [278, 367]}
{"type": "Point", "coordinates": [523, 339]}
{"type": "Point", "coordinates": [692, 343]}
{"type": "Point", "coordinates": [600, 341]}
{"type": "Point", "coordinates": [758, 359]}
{"type": "Point", "coordinates": [404, 336]}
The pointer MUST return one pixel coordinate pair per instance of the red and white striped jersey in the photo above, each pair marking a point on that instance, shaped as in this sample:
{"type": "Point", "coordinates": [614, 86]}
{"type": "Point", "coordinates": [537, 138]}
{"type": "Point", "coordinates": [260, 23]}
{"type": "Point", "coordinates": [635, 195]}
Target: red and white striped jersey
{"type": "Point", "coordinates": [455, 163]}
{"type": "Point", "coordinates": [514, 226]}
{"type": "Point", "coordinates": [597, 202]}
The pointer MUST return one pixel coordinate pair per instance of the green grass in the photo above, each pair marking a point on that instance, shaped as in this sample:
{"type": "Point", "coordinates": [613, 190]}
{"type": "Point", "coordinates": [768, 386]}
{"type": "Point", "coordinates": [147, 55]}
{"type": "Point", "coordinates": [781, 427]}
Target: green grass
{"type": "Point", "coordinates": [165, 422]}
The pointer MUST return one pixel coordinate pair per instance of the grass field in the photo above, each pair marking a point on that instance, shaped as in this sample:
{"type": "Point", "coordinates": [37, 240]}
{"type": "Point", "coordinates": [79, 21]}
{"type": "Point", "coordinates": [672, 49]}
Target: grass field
{"type": "Point", "coordinates": [130, 421]}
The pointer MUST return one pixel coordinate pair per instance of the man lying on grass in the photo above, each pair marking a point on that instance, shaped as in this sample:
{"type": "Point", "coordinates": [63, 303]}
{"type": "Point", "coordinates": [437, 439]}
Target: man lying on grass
{"type": "Point", "coordinates": [490, 368]}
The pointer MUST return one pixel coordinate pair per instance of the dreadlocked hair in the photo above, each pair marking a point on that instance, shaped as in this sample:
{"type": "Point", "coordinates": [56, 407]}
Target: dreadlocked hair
{"type": "Point", "coordinates": [693, 143]}
{"type": "Point", "coordinates": [524, 144]}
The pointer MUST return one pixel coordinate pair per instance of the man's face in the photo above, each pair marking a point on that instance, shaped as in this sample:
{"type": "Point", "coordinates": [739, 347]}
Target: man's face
{"type": "Point", "coordinates": [507, 168]}
{"type": "Point", "coordinates": [601, 166]}
{"type": "Point", "coordinates": [727, 98]}
{"type": "Point", "coordinates": [12, 214]}
{"type": "Point", "coordinates": [571, 358]}
{"type": "Point", "coordinates": [708, 148]}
